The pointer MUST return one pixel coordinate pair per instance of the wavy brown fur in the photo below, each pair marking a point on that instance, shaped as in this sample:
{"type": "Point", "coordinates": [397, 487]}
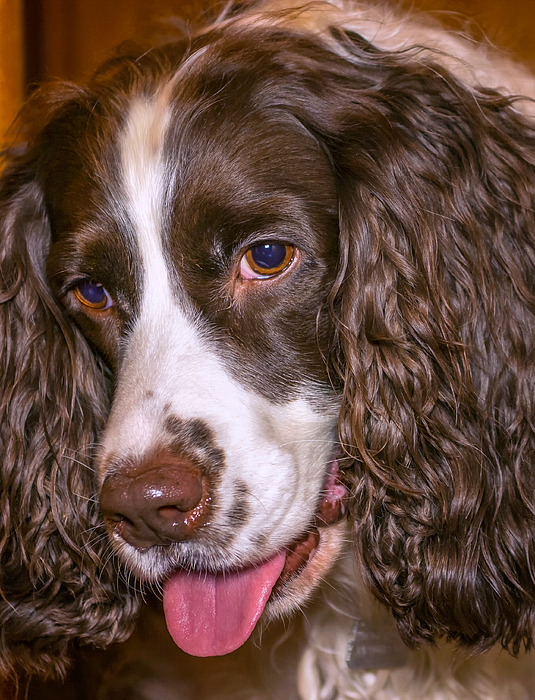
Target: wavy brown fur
{"type": "Point", "coordinates": [437, 318]}
{"type": "Point", "coordinates": [57, 582]}
{"type": "Point", "coordinates": [434, 308]}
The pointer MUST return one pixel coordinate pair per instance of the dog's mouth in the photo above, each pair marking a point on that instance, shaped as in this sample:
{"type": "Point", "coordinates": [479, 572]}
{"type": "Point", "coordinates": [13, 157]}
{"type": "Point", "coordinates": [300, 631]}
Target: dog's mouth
{"type": "Point", "coordinates": [214, 614]}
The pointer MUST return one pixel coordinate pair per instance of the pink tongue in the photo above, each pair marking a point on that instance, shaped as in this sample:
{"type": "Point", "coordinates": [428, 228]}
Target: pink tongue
{"type": "Point", "coordinates": [212, 615]}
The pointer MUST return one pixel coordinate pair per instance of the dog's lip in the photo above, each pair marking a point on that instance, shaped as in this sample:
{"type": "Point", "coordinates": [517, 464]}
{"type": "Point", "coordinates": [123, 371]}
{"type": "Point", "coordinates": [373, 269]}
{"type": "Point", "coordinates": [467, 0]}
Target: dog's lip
{"type": "Point", "coordinates": [332, 507]}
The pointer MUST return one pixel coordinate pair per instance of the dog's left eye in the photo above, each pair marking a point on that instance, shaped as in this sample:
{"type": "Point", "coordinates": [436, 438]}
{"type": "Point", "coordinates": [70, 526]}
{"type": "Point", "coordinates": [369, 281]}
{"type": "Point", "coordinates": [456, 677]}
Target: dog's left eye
{"type": "Point", "coordinates": [93, 295]}
{"type": "Point", "coordinates": [266, 260]}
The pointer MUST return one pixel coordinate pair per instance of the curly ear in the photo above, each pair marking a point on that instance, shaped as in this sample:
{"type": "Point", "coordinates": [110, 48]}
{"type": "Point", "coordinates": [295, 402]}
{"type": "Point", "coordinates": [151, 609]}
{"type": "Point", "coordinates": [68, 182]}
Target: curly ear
{"type": "Point", "coordinates": [57, 580]}
{"type": "Point", "coordinates": [435, 311]}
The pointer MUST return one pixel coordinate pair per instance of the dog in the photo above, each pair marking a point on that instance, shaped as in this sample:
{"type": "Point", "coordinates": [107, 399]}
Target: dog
{"type": "Point", "coordinates": [268, 352]}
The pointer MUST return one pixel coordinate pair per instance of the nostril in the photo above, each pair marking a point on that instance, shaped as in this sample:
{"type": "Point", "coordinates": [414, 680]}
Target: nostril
{"type": "Point", "coordinates": [157, 501]}
{"type": "Point", "coordinates": [115, 517]}
{"type": "Point", "coordinates": [171, 514]}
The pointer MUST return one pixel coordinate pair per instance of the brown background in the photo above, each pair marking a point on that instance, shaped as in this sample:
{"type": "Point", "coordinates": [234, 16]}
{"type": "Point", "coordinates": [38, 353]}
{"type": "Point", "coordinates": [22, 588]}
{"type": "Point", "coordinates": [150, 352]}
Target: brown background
{"type": "Point", "coordinates": [11, 60]}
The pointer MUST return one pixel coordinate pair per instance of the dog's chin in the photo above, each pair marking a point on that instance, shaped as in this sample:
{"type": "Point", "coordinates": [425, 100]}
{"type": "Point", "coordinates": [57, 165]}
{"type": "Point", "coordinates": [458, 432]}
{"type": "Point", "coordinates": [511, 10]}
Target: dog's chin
{"type": "Point", "coordinates": [211, 614]}
{"type": "Point", "coordinates": [295, 587]}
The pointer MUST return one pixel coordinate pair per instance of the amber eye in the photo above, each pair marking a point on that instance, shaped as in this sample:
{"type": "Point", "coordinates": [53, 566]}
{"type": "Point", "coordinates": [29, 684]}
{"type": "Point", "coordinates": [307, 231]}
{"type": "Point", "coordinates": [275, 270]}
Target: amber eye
{"type": "Point", "coordinates": [266, 260]}
{"type": "Point", "coordinates": [92, 294]}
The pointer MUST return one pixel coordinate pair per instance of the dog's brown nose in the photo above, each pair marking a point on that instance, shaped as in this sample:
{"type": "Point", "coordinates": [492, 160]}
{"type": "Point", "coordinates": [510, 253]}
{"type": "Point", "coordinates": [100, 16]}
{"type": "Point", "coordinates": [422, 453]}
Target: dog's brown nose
{"type": "Point", "coordinates": [155, 502]}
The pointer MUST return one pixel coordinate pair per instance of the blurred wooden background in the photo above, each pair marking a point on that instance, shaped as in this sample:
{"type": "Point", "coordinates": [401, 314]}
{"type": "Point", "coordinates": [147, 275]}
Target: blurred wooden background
{"type": "Point", "coordinates": [68, 38]}
{"type": "Point", "coordinates": [12, 76]}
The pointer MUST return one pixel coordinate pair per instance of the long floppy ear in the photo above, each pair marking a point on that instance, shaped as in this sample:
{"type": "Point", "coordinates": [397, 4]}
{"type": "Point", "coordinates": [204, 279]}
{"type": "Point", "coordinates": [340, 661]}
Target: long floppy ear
{"type": "Point", "coordinates": [57, 582]}
{"type": "Point", "coordinates": [436, 318]}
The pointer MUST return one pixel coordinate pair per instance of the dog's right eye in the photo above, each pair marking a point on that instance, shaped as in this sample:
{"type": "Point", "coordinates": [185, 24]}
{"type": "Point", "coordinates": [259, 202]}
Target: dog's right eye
{"type": "Point", "coordinates": [266, 260]}
{"type": "Point", "coordinates": [93, 295]}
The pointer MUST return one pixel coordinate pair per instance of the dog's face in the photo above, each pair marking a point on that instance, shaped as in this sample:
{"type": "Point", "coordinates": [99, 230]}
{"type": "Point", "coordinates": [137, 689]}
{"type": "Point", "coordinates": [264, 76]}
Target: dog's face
{"type": "Point", "coordinates": [195, 241]}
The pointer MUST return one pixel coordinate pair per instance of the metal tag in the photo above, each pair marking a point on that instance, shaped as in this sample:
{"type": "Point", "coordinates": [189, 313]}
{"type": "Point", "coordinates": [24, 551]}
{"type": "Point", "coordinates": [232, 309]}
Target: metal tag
{"type": "Point", "coordinates": [376, 646]}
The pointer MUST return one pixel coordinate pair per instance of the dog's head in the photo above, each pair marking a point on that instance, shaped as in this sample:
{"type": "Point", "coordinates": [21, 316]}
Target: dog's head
{"type": "Point", "coordinates": [257, 281]}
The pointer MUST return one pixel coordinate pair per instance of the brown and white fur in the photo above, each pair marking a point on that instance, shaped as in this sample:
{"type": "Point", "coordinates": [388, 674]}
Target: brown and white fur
{"type": "Point", "coordinates": [361, 417]}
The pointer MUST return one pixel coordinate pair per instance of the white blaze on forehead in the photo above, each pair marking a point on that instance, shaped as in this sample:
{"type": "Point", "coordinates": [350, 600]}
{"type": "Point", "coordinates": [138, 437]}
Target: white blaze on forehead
{"type": "Point", "coordinates": [147, 173]}
{"type": "Point", "coordinates": [147, 178]}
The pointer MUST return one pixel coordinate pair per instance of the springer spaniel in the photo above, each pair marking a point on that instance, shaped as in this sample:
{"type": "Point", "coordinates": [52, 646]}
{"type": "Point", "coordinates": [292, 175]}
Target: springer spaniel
{"type": "Point", "coordinates": [268, 350]}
